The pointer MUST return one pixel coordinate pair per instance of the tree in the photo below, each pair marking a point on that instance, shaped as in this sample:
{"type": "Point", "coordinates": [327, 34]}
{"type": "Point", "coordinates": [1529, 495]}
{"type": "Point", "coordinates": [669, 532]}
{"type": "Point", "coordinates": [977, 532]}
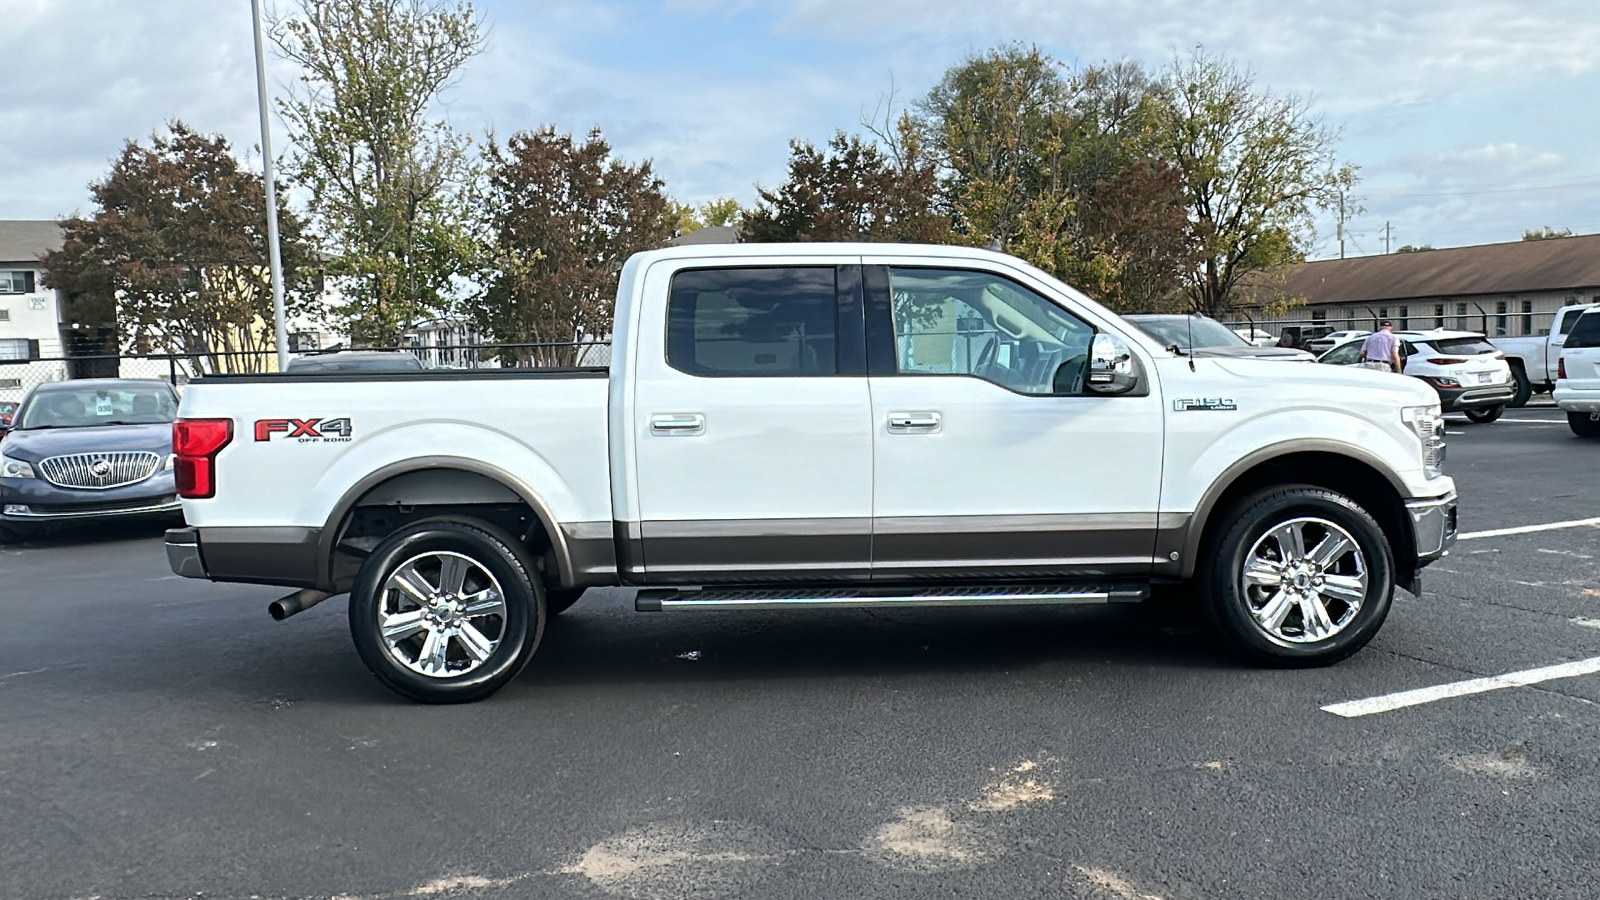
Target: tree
{"type": "Point", "coordinates": [564, 218]}
{"type": "Point", "coordinates": [1419, 248]}
{"type": "Point", "coordinates": [718, 213]}
{"type": "Point", "coordinates": [391, 191]}
{"type": "Point", "coordinates": [1546, 233]}
{"type": "Point", "coordinates": [176, 253]}
{"type": "Point", "coordinates": [1254, 167]}
{"type": "Point", "coordinates": [853, 191]}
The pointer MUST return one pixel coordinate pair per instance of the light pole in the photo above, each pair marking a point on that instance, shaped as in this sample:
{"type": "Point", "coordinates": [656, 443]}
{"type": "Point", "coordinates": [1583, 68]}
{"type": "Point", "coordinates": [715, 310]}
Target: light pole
{"type": "Point", "coordinates": [274, 256]}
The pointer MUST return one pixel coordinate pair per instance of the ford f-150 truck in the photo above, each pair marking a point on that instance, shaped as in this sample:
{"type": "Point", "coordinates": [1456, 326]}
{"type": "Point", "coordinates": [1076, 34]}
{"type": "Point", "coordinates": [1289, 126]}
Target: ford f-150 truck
{"type": "Point", "coordinates": [819, 425]}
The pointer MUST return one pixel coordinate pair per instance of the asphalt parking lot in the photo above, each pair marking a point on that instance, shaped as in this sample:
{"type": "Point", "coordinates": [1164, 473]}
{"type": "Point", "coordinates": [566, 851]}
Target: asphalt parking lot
{"type": "Point", "coordinates": [164, 738]}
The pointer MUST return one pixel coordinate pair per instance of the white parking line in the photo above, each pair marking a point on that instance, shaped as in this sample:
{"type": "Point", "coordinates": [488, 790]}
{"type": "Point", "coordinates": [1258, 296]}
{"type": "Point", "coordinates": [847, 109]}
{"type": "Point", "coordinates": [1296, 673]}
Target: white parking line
{"type": "Point", "coordinates": [1528, 529]}
{"type": "Point", "coordinates": [1532, 422]}
{"type": "Point", "coordinates": [1390, 702]}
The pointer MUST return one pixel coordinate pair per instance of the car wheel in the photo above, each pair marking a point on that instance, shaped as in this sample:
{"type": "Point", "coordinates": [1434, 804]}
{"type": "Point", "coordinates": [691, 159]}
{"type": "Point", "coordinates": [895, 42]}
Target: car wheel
{"type": "Point", "coordinates": [1485, 415]}
{"type": "Point", "coordinates": [1300, 576]}
{"type": "Point", "coordinates": [1524, 387]}
{"type": "Point", "coordinates": [559, 600]}
{"type": "Point", "coordinates": [1584, 424]}
{"type": "Point", "coordinates": [447, 611]}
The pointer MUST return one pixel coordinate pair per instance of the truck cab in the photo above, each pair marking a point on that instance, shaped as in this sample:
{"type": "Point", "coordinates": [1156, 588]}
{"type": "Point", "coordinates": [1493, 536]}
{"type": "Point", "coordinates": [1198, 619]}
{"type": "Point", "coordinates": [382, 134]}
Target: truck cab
{"type": "Point", "coordinates": [824, 425]}
{"type": "Point", "coordinates": [1536, 359]}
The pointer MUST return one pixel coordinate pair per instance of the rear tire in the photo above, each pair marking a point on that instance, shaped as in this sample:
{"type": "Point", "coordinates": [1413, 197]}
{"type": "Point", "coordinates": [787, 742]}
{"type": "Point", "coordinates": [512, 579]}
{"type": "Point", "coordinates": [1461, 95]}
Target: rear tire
{"type": "Point", "coordinates": [1485, 415]}
{"type": "Point", "coordinates": [1584, 424]}
{"type": "Point", "coordinates": [1524, 387]}
{"type": "Point", "coordinates": [447, 611]}
{"type": "Point", "coordinates": [1300, 577]}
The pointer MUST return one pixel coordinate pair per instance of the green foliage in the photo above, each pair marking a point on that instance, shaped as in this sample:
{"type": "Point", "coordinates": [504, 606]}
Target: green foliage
{"type": "Point", "coordinates": [391, 191]}
{"type": "Point", "coordinates": [564, 217]}
{"type": "Point", "coordinates": [1418, 248]}
{"type": "Point", "coordinates": [176, 252]}
{"type": "Point", "coordinates": [1546, 233]}
{"type": "Point", "coordinates": [853, 191]}
{"type": "Point", "coordinates": [721, 212]}
{"type": "Point", "coordinates": [1254, 166]}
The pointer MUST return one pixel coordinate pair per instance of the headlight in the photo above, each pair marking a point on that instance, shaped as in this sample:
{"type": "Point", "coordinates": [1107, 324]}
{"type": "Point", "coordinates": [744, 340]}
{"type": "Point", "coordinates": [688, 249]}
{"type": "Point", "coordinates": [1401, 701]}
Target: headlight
{"type": "Point", "coordinates": [1428, 423]}
{"type": "Point", "coordinates": [14, 468]}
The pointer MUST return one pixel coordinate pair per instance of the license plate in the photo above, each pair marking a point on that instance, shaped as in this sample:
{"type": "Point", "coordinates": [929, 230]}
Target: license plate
{"type": "Point", "coordinates": [1486, 378]}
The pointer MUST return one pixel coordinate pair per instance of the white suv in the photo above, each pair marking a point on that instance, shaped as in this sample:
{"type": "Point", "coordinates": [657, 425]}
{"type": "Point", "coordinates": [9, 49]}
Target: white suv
{"type": "Point", "coordinates": [1578, 378]}
{"type": "Point", "coordinates": [1469, 374]}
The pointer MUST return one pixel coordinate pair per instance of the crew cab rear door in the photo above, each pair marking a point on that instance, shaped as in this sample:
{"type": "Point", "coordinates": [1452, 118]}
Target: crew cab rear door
{"type": "Point", "coordinates": [989, 463]}
{"type": "Point", "coordinates": [752, 424]}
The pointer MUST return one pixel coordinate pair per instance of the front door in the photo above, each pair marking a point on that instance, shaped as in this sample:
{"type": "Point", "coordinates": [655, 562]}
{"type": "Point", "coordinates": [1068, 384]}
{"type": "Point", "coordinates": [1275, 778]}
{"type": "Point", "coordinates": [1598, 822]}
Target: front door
{"type": "Point", "coordinates": [752, 432]}
{"type": "Point", "coordinates": [992, 460]}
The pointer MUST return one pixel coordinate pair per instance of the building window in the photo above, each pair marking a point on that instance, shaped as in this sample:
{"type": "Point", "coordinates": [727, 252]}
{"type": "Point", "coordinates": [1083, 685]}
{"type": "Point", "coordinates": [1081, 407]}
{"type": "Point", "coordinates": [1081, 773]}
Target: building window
{"type": "Point", "coordinates": [5, 314]}
{"type": "Point", "coordinates": [302, 341]}
{"type": "Point", "coordinates": [1383, 316]}
{"type": "Point", "coordinates": [18, 349]}
{"type": "Point", "coordinates": [16, 282]}
{"type": "Point", "coordinates": [1405, 318]}
{"type": "Point", "coordinates": [1500, 319]}
{"type": "Point", "coordinates": [1527, 317]}
{"type": "Point", "coordinates": [1438, 315]}
{"type": "Point", "coordinates": [1461, 316]}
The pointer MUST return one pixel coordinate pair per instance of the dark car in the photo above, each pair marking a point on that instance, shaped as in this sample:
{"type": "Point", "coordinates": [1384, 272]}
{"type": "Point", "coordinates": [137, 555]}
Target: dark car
{"type": "Point", "coordinates": [7, 409]}
{"type": "Point", "coordinates": [88, 449]}
{"type": "Point", "coordinates": [1202, 337]}
{"type": "Point", "coordinates": [366, 362]}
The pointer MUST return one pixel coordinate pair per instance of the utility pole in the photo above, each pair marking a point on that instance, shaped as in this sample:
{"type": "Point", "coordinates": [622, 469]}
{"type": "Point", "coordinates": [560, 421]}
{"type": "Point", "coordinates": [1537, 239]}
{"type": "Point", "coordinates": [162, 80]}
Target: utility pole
{"type": "Point", "coordinates": [1387, 233]}
{"type": "Point", "coordinates": [1341, 225]}
{"type": "Point", "coordinates": [274, 255]}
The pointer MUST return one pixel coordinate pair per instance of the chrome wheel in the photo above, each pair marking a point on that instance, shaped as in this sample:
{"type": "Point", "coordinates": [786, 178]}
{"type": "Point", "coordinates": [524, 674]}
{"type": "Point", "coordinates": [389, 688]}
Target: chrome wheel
{"type": "Point", "coordinates": [1304, 580]}
{"type": "Point", "coordinates": [441, 614]}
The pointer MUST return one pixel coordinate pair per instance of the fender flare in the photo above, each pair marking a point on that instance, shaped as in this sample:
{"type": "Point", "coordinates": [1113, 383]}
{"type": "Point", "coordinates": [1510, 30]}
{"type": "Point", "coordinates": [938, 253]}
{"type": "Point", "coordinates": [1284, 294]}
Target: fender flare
{"type": "Point", "coordinates": [1189, 551]}
{"type": "Point", "coordinates": [331, 530]}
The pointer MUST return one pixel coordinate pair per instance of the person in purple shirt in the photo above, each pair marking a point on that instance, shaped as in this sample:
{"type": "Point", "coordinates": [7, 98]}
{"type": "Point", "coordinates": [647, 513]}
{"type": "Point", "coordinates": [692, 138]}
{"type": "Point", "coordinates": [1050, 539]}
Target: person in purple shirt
{"type": "Point", "coordinates": [1381, 349]}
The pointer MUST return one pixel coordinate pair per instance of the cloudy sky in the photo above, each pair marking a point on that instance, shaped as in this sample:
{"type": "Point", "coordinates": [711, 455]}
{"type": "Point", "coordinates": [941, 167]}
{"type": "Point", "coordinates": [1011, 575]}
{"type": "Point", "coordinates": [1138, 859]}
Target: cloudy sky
{"type": "Point", "coordinates": [1471, 120]}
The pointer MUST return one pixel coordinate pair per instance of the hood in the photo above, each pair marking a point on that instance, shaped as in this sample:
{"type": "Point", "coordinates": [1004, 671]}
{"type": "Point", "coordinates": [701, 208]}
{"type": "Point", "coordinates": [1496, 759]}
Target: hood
{"type": "Point", "coordinates": [32, 445]}
{"type": "Point", "coordinates": [1281, 354]}
{"type": "Point", "coordinates": [1333, 382]}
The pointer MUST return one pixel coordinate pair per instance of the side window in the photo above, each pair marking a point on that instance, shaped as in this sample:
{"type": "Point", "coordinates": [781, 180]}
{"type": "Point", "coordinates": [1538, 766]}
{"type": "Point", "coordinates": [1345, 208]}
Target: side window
{"type": "Point", "coordinates": [1347, 355]}
{"type": "Point", "coordinates": [752, 322]}
{"type": "Point", "coordinates": [1586, 333]}
{"type": "Point", "coordinates": [956, 322]}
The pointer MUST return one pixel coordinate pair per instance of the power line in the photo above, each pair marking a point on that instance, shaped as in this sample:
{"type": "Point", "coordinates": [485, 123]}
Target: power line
{"type": "Point", "coordinates": [1509, 190]}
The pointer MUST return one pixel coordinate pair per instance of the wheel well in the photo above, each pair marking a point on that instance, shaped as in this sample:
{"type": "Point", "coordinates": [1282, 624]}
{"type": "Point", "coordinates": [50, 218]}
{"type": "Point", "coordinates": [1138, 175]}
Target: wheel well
{"type": "Point", "coordinates": [435, 493]}
{"type": "Point", "coordinates": [1367, 486]}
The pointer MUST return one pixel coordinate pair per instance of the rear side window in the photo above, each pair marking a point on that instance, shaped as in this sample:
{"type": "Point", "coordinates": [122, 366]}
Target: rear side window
{"type": "Point", "coordinates": [1464, 346]}
{"type": "Point", "coordinates": [1568, 320]}
{"type": "Point", "coordinates": [1586, 333]}
{"type": "Point", "coordinates": [756, 321]}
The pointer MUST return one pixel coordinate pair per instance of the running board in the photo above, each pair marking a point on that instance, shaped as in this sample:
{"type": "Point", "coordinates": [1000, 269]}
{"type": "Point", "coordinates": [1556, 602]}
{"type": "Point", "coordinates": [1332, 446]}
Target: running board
{"type": "Point", "coordinates": [659, 599]}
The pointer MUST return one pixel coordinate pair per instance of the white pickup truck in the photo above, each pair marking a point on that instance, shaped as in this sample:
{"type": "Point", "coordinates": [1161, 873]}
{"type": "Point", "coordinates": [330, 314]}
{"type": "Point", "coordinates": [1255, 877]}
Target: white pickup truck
{"type": "Point", "coordinates": [819, 425]}
{"type": "Point", "coordinates": [1534, 359]}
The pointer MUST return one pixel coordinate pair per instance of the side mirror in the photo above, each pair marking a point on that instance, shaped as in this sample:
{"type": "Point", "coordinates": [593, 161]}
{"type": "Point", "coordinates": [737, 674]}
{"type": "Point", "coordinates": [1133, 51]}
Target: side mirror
{"type": "Point", "coordinates": [1112, 367]}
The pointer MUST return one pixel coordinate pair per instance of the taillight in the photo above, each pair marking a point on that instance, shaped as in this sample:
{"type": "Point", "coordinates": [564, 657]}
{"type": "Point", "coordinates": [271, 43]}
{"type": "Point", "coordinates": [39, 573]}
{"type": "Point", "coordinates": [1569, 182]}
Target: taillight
{"type": "Point", "coordinates": [1446, 361]}
{"type": "Point", "coordinates": [1561, 367]}
{"type": "Point", "coordinates": [196, 443]}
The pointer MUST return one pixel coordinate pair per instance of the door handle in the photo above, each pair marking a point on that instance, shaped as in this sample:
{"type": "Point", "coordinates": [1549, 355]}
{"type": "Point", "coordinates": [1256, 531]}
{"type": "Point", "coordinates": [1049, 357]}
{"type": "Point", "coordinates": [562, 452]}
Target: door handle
{"type": "Point", "coordinates": [918, 422]}
{"type": "Point", "coordinates": [685, 424]}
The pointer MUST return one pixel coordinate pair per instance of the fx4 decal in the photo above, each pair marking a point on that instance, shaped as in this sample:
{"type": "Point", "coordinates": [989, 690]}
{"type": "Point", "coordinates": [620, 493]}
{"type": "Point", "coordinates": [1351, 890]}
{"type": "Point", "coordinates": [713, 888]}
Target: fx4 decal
{"type": "Point", "coordinates": [304, 431]}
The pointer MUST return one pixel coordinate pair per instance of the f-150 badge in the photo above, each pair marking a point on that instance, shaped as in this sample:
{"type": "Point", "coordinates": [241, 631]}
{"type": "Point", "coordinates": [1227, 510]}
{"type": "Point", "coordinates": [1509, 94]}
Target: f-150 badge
{"type": "Point", "coordinates": [1204, 403]}
{"type": "Point", "coordinates": [304, 431]}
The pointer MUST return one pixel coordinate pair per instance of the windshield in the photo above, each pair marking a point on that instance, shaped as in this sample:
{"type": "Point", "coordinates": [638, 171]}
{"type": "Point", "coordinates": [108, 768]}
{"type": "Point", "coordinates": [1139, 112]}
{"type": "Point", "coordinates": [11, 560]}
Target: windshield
{"type": "Point", "coordinates": [1175, 331]}
{"type": "Point", "coordinates": [87, 407]}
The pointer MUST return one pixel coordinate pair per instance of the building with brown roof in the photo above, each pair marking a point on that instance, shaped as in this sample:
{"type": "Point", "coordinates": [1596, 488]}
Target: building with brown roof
{"type": "Point", "coordinates": [1501, 289]}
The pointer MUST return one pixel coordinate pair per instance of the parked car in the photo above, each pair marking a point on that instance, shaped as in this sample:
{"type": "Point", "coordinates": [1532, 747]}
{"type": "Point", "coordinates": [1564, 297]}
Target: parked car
{"type": "Point", "coordinates": [89, 449]}
{"type": "Point", "coordinates": [347, 362]}
{"type": "Point", "coordinates": [1332, 339]}
{"type": "Point", "coordinates": [1201, 336]}
{"type": "Point", "coordinates": [1534, 359]}
{"type": "Point", "coordinates": [1577, 390]}
{"type": "Point", "coordinates": [1468, 373]}
{"type": "Point", "coordinates": [7, 409]}
{"type": "Point", "coordinates": [819, 426]}
{"type": "Point", "coordinates": [1257, 337]}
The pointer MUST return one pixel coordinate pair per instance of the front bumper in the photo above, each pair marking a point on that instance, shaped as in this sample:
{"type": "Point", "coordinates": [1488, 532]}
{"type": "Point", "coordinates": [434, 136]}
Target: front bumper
{"type": "Point", "coordinates": [37, 500]}
{"type": "Point", "coordinates": [1433, 527]}
{"type": "Point", "coordinates": [1475, 397]}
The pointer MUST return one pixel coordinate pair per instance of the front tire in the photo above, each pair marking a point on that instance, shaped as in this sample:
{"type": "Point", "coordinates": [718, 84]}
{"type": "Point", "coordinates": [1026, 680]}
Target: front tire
{"type": "Point", "coordinates": [1301, 577]}
{"type": "Point", "coordinates": [1584, 424]}
{"type": "Point", "coordinates": [1485, 415]}
{"type": "Point", "coordinates": [447, 611]}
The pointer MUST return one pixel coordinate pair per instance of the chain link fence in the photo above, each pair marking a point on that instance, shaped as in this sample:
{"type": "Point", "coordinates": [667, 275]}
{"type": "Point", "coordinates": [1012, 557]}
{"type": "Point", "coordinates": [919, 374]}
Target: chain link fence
{"type": "Point", "coordinates": [19, 376]}
{"type": "Point", "coordinates": [1493, 322]}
